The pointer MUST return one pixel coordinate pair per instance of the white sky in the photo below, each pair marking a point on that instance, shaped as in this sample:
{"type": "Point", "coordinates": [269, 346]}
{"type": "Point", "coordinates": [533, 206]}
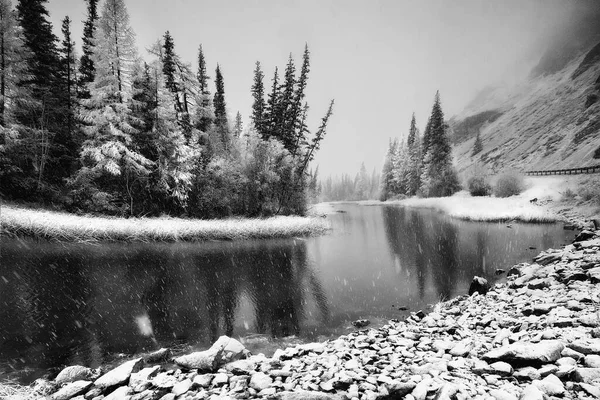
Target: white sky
{"type": "Point", "coordinates": [380, 60]}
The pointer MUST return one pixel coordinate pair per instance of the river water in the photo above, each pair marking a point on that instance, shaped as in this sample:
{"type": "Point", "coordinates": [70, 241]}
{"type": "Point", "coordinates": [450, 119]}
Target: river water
{"type": "Point", "coordinates": [65, 304]}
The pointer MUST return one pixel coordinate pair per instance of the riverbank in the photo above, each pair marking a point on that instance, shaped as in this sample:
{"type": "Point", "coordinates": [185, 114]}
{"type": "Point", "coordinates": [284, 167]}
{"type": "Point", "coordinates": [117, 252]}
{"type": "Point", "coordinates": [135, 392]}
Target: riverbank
{"type": "Point", "coordinates": [53, 225]}
{"type": "Point", "coordinates": [533, 337]}
{"type": "Point", "coordinates": [545, 199]}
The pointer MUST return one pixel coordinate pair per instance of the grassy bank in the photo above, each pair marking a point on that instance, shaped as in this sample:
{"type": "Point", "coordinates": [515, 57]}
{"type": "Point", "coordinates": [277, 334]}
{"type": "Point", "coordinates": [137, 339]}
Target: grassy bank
{"type": "Point", "coordinates": [488, 209]}
{"type": "Point", "coordinates": [16, 221]}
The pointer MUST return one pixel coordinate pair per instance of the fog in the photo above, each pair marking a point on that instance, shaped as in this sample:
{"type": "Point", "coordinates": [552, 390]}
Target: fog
{"type": "Point", "coordinates": [380, 60]}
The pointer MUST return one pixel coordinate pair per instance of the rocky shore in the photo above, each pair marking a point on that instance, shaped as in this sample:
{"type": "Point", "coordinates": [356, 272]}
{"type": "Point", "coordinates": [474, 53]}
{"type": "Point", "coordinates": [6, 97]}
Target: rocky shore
{"type": "Point", "coordinates": [537, 336]}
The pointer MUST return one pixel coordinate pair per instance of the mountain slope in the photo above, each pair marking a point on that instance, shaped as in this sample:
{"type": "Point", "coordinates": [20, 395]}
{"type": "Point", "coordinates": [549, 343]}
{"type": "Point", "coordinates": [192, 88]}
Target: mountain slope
{"type": "Point", "coordinates": [550, 121]}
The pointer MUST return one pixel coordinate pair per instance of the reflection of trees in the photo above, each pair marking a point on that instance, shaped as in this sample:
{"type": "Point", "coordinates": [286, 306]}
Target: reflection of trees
{"type": "Point", "coordinates": [425, 244]}
{"type": "Point", "coordinates": [58, 293]}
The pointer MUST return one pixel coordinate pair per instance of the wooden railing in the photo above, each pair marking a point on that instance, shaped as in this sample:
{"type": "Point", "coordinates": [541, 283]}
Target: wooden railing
{"type": "Point", "coordinates": [594, 169]}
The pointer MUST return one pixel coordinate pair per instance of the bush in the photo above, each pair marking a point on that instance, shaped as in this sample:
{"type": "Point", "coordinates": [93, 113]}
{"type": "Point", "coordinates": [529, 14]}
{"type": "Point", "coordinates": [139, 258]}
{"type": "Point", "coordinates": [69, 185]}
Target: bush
{"type": "Point", "coordinates": [509, 184]}
{"type": "Point", "coordinates": [479, 186]}
{"type": "Point", "coordinates": [590, 190]}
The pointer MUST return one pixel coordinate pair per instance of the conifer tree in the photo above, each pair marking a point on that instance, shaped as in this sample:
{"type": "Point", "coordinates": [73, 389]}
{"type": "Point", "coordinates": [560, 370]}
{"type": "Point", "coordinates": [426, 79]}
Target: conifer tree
{"type": "Point", "coordinates": [168, 64]}
{"type": "Point", "coordinates": [112, 165]}
{"type": "Point", "coordinates": [221, 123]}
{"type": "Point", "coordinates": [12, 61]}
{"type": "Point", "coordinates": [68, 71]}
{"type": "Point", "coordinates": [204, 114]}
{"type": "Point", "coordinates": [387, 173]}
{"type": "Point", "coordinates": [478, 145]}
{"type": "Point", "coordinates": [238, 126]}
{"type": "Point", "coordinates": [86, 65]}
{"type": "Point", "coordinates": [287, 106]}
{"type": "Point", "coordinates": [272, 111]}
{"type": "Point", "coordinates": [438, 177]}
{"type": "Point", "coordinates": [41, 115]}
{"type": "Point", "coordinates": [414, 155]}
{"type": "Point", "coordinates": [258, 104]}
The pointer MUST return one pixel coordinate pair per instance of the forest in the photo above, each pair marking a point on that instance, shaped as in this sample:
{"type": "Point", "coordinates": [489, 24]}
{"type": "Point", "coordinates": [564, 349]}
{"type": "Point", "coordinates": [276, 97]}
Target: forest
{"type": "Point", "coordinates": [112, 132]}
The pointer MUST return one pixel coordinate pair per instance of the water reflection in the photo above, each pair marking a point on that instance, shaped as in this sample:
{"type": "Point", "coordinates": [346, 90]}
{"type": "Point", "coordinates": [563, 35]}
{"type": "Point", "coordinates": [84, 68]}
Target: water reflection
{"type": "Point", "coordinates": [81, 303]}
{"type": "Point", "coordinates": [59, 304]}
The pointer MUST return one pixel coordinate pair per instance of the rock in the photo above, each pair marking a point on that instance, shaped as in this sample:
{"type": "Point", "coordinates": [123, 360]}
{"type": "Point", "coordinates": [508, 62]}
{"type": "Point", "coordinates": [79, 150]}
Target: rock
{"type": "Point", "coordinates": [501, 395]}
{"type": "Point", "coordinates": [527, 373]}
{"type": "Point", "coordinates": [207, 360]}
{"type": "Point", "coordinates": [306, 395]}
{"type": "Point", "coordinates": [164, 381]}
{"type": "Point", "coordinates": [567, 352]}
{"type": "Point", "coordinates": [586, 375]}
{"type": "Point", "coordinates": [551, 386]}
{"type": "Point", "coordinates": [182, 387]}
{"type": "Point", "coordinates": [589, 346]}
{"type": "Point", "coordinates": [479, 285]}
{"type": "Point", "coordinates": [514, 271]}
{"type": "Point", "coordinates": [499, 271]}
{"type": "Point", "coordinates": [220, 379]}
{"type": "Point", "coordinates": [143, 376]}
{"type": "Point", "coordinates": [532, 392]}
{"type": "Point", "coordinates": [594, 274]}
{"type": "Point", "coordinates": [361, 323]}
{"type": "Point", "coordinates": [120, 393]}
{"type": "Point", "coordinates": [584, 235]}
{"type": "Point", "coordinates": [228, 350]}
{"type": "Point", "coordinates": [157, 356]}
{"type": "Point", "coordinates": [203, 380]}
{"type": "Point", "coordinates": [72, 389]}
{"type": "Point", "coordinates": [592, 361]}
{"type": "Point", "coordinates": [539, 283]}
{"type": "Point", "coordinates": [462, 348]}
{"type": "Point", "coordinates": [399, 389]}
{"type": "Point", "coordinates": [502, 368]}
{"type": "Point", "coordinates": [74, 373]}
{"type": "Point", "coordinates": [120, 375]}
{"type": "Point", "coordinates": [546, 351]}
{"type": "Point", "coordinates": [592, 390]}
{"type": "Point", "coordinates": [260, 381]}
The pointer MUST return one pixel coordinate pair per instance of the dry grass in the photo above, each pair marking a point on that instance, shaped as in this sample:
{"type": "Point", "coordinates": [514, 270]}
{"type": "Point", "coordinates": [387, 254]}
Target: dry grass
{"type": "Point", "coordinates": [489, 209]}
{"type": "Point", "coordinates": [16, 221]}
{"type": "Point", "coordinates": [13, 391]}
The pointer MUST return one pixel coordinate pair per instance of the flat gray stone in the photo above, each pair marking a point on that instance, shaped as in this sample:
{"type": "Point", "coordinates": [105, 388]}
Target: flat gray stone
{"type": "Point", "coordinates": [586, 375]}
{"type": "Point", "coordinates": [72, 389]}
{"type": "Point", "coordinates": [546, 351]}
{"type": "Point", "coordinates": [74, 373]}
{"type": "Point", "coordinates": [120, 375]}
{"type": "Point", "coordinates": [121, 393]}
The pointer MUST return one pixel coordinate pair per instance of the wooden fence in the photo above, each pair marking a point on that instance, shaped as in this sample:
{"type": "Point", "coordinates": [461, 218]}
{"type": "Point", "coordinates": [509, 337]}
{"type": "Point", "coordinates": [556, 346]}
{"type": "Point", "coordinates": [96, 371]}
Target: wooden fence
{"type": "Point", "coordinates": [570, 171]}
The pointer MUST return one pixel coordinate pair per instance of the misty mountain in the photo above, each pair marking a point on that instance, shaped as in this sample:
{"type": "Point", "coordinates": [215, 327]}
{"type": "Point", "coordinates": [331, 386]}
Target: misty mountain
{"type": "Point", "coordinates": [551, 120]}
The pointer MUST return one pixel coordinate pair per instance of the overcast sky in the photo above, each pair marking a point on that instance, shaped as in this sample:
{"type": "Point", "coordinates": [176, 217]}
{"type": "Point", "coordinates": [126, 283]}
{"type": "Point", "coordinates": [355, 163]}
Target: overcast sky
{"type": "Point", "coordinates": [379, 60]}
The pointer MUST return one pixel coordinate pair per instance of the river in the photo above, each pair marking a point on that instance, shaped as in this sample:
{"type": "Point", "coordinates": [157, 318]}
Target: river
{"type": "Point", "coordinates": [64, 304]}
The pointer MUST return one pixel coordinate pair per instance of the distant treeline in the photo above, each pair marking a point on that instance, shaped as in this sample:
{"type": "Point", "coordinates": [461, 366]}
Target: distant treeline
{"type": "Point", "coordinates": [109, 132]}
{"type": "Point", "coordinates": [363, 186]}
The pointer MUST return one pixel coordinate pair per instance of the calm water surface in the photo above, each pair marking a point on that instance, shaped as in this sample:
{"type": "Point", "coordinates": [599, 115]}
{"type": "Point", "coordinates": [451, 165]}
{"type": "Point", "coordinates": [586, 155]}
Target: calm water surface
{"type": "Point", "coordinates": [64, 304]}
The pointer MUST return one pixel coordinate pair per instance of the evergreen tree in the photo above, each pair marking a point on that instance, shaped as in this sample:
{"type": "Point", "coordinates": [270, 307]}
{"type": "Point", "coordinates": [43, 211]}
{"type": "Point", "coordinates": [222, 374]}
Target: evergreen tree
{"type": "Point", "coordinates": [300, 88]}
{"type": "Point", "coordinates": [272, 110]}
{"type": "Point", "coordinates": [362, 185]}
{"type": "Point", "coordinates": [478, 145]}
{"type": "Point", "coordinates": [69, 73]}
{"type": "Point", "coordinates": [168, 64]}
{"type": "Point", "coordinates": [86, 65]}
{"type": "Point", "coordinates": [413, 179]}
{"type": "Point", "coordinates": [387, 173]}
{"type": "Point", "coordinates": [258, 104]}
{"type": "Point", "coordinates": [112, 165]}
{"type": "Point", "coordinates": [285, 132]}
{"type": "Point", "coordinates": [12, 62]}
{"type": "Point", "coordinates": [238, 127]}
{"type": "Point", "coordinates": [219, 99]}
{"type": "Point", "coordinates": [438, 177]}
{"type": "Point", "coordinates": [204, 113]}
{"type": "Point", "coordinates": [41, 115]}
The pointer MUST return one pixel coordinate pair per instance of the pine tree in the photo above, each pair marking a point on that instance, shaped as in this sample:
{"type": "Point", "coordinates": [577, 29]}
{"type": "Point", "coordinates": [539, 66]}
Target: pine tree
{"type": "Point", "coordinates": [438, 177]}
{"type": "Point", "coordinates": [478, 145]}
{"type": "Point", "coordinates": [86, 65]}
{"type": "Point", "coordinates": [238, 127]}
{"type": "Point", "coordinates": [12, 62]}
{"type": "Point", "coordinates": [42, 114]}
{"type": "Point", "coordinates": [204, 114]}
{"type": "Point", "coordinates": [414, 155]}
{"type": "Point", "coordinates": [387, 173]}
{"type": "Point", "coordinates": [258, 104]}
{"type": "Point", "coordinates": [220, 106]}
{"type": "Point", "coordinates": [69, 73]}
{"type": "Point", "coordinates": [168, 64]}
{"type": "Point", "coordinates": [288, 118]}
{"type": "Point", "coordinates": [272, 110]}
